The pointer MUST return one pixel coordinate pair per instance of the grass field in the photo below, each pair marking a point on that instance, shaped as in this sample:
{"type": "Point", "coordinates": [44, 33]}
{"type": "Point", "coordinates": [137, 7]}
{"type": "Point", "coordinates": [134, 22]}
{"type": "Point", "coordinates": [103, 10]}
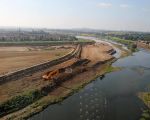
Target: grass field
{"type": "Point", "coordinates": [122, 41]}
{"type": "Point", "coordinates": [8, 43]}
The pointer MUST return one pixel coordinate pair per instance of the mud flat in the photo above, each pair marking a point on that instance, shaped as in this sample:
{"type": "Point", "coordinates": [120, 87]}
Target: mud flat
{"type": "Point", "coordinates": [99, 58]}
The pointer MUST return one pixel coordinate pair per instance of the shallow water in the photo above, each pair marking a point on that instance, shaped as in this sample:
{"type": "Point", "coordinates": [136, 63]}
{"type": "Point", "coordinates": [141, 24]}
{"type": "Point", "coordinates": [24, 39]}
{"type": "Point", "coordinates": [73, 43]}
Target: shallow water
{"type": "Point", "coordinates": [112, 98]}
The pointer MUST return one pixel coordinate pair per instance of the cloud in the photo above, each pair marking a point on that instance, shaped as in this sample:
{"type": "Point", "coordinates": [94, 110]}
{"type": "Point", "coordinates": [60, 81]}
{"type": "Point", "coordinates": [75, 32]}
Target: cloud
{"type": "Point", "coordinates": [124, 6]}
{"type": "Point", "coordinates": [104, 5]}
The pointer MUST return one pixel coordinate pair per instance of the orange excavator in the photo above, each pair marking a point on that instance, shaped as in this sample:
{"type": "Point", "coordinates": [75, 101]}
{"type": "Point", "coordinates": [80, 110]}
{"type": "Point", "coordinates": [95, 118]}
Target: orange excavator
{"type": "Point", "coordinates": [52, 74]}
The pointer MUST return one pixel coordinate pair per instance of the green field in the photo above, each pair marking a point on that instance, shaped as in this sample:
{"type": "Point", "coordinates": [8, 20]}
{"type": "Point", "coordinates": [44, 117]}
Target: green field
{"type": "Point", "coordinates": [129, 43]}
{"type": "Point", "coordinates": [80, 41]}
{"type": "Point", "coordinates": [122, 41]}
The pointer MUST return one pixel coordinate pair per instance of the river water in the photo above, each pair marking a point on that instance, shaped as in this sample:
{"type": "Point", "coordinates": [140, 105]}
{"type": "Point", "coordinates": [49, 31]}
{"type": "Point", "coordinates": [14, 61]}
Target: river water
{"type": "Point", "coordinates": [112, 98]}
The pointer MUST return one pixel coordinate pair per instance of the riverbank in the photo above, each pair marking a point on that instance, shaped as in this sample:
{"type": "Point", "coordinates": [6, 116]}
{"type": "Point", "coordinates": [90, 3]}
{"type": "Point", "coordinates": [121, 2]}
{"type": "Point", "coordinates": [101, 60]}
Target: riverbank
{"type": "Point", "coordinates": [68, 87]}
{"type": "Point", "coordinates": [124, 52]}
{"type": "Point", "coordinates": [143, 45]}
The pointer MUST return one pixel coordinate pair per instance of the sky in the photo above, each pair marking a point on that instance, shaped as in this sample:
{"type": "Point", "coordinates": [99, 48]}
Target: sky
{"type": "Point", "coordinates": [132, 15]}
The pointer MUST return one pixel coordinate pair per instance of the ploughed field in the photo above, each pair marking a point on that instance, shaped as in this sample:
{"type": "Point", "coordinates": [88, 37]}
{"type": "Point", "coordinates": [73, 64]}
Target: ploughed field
{"type": "Point", "coordinates": [15, 58]}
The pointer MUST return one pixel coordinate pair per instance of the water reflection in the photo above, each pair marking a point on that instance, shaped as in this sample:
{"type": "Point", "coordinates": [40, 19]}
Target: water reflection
{"type": "Point", "coordinates": [140, 69]}
{"type": "Point", "coordinates": [102, 77]}
{"type": "Point", "coordinates": [92, 104]}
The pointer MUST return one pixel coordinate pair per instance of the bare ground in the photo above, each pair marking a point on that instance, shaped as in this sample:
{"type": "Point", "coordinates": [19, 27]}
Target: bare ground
{"type": "Point", "coordinates": [97, 52]}
{"type": "Point", "coordinates": [143, 45]}
{"type": "Point", "coordinates": [14, 58]}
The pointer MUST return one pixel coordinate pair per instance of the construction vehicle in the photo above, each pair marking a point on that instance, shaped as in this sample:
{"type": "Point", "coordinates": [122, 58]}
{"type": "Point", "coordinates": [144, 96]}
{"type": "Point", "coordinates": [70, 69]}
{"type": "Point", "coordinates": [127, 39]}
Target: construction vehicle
{"type": "Point", "coordinates": [52, 74]}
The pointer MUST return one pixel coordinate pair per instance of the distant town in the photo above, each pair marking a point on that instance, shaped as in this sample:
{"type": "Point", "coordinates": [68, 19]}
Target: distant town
{"type": "Point", "coordinates": [32, 35]}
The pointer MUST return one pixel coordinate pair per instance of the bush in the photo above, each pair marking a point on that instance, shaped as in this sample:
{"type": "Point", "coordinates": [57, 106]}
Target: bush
{"type": "Point", "coordinates": [19, 102]}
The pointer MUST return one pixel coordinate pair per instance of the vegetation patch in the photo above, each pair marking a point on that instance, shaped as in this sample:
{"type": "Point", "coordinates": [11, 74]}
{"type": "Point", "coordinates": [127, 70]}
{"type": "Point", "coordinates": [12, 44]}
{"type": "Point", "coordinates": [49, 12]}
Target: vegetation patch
{"type": "Point", "coordinates": [129, 43]}
{"type": "Point", "coordinates": [145, 97]}
{"type": "Point", "coordinates": [122, 41]}
{"type": "Point", "coordinates": [112, 69]}
{"type": "Point", "coordinates": [10, 43]}
{"type": "Point", "coordinates": [19, 102]}
{"type": "Point", "coordinates": [145, 115]}
{"type": "Point", "coordinates": [86, 40]}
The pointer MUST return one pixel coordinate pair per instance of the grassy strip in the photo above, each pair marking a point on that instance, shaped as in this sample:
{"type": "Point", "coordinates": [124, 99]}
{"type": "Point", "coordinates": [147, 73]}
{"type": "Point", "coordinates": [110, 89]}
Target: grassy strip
{"type": "Point", "coordinates": [80, 41]}
{"type": "Point", "coordinates": [19, 102]}
{"type": "Point", "coordinates": [33, 41]}
{"type": "Point", "coordinates": [123, 41]}
{"type": "Point", "coordinates": [124, 52]}
{"type": "Point", "coordinates": [112, 69]}
{"type": "Point", "coordinates": [145, 115]}
{"type": "Point", "coordinates": [86, 40]}
{"type": "Point", "coordinates": [129, 43]}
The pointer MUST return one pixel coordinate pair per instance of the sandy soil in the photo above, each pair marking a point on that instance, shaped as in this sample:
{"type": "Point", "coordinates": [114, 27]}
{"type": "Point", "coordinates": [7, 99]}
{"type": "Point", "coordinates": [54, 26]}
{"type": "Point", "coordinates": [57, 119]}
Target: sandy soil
{"type": "Point", "coordinates": [15, 58]}
{"type": "Point", "coordinates": [14, 49]}
{"type": "Point", "coordinates": [96, 52]}
{"type": "Point", "coordinates": [143, 45]}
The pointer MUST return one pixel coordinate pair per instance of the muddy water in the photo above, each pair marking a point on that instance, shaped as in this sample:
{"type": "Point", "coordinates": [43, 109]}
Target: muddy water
{"type": "Point", "coordinates": [111, 98]}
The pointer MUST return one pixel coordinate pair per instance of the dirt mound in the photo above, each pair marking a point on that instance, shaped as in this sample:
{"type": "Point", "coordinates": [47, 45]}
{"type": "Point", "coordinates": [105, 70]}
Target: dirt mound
{"type": "Point", "coordinates": [98, 52]}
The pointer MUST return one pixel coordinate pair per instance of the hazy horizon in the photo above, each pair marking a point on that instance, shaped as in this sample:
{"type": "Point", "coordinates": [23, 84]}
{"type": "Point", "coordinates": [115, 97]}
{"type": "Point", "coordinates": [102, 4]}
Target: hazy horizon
{"type": "Point", "coordinates": [119, 15]}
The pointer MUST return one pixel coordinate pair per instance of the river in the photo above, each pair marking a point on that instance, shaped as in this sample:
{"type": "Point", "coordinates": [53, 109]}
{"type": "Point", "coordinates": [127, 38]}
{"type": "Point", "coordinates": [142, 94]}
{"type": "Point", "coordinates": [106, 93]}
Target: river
{"type": "Point", "coordinates": [112, 98]}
